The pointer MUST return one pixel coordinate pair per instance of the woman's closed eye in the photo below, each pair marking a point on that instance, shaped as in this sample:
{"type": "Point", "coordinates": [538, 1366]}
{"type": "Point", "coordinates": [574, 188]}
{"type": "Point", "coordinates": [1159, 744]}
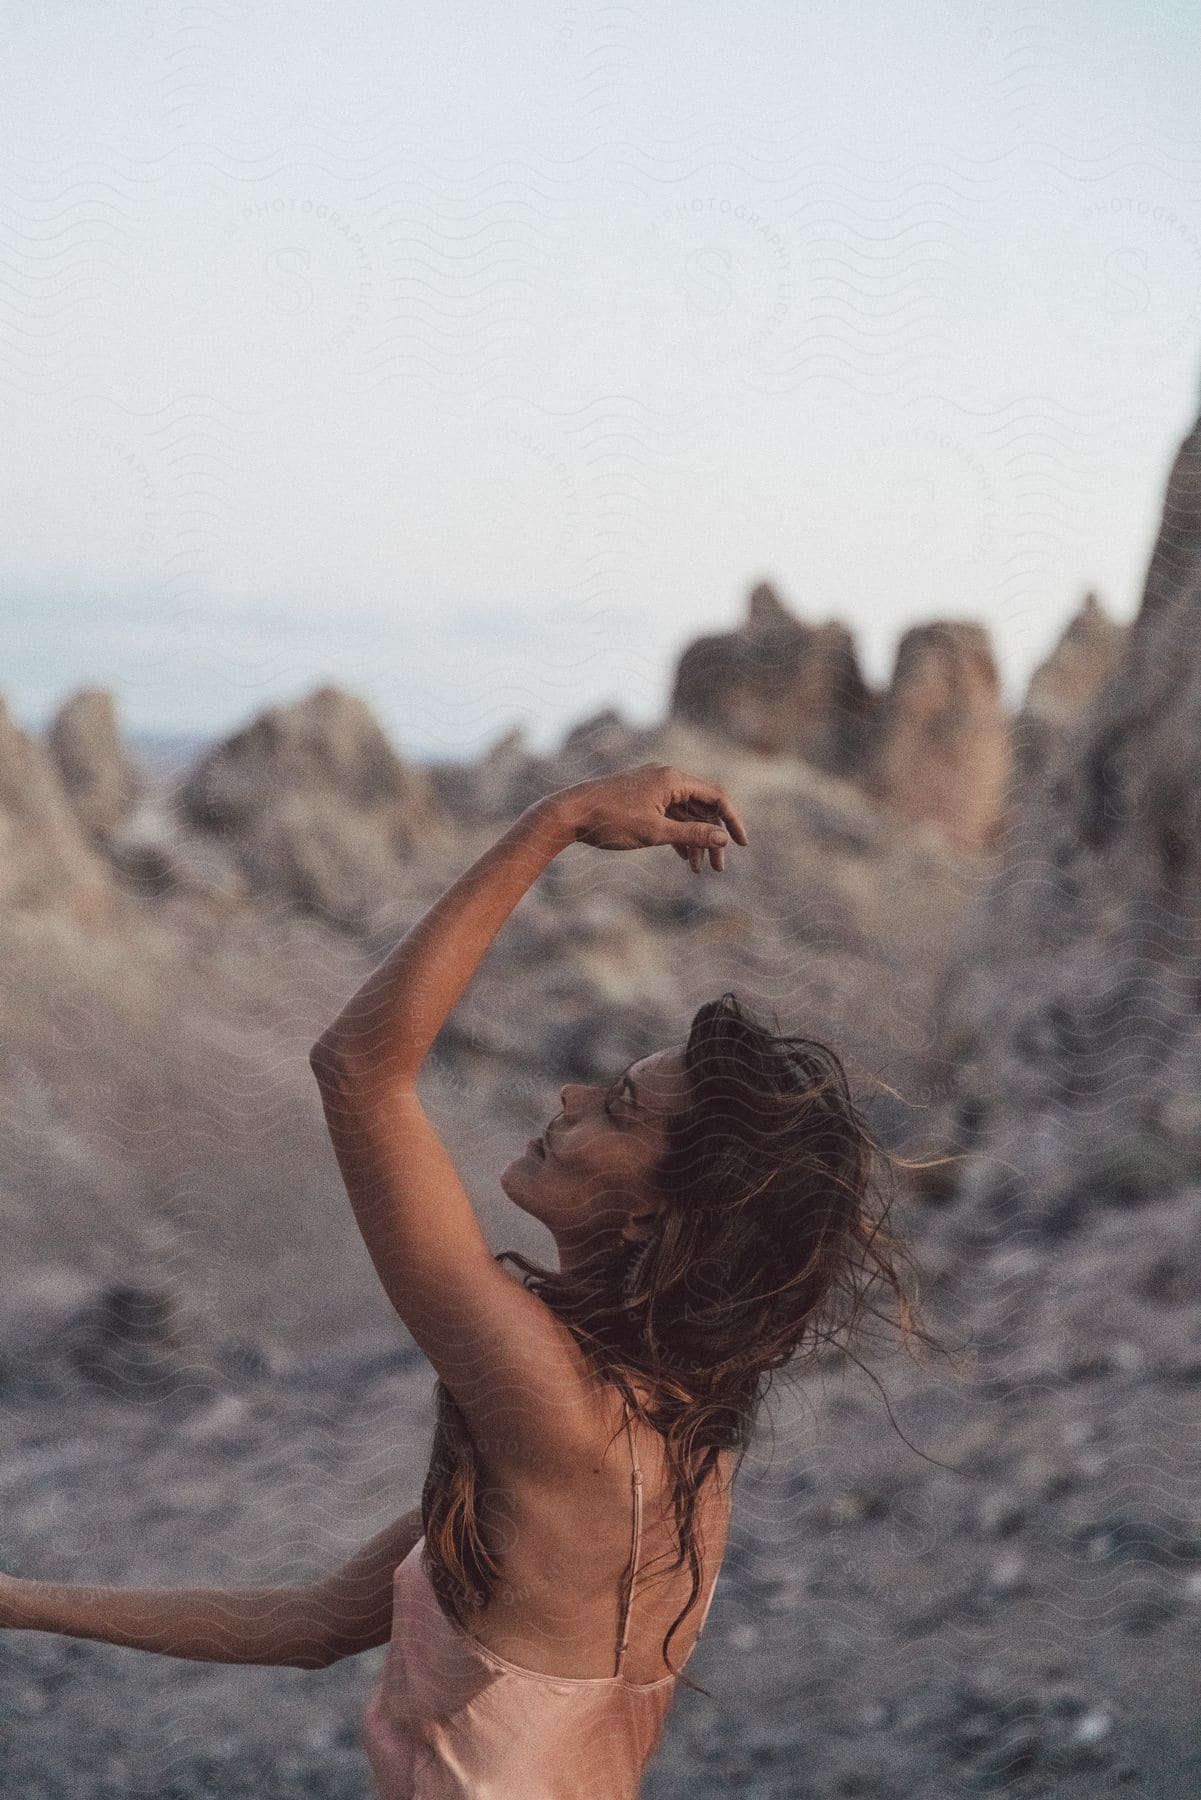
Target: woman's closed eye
{"type": "Point", "coordinates": [616, 1092]}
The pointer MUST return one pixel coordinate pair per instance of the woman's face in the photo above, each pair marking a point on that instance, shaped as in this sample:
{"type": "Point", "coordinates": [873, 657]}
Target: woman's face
{"type": "Point", "coordinates": [589, 1173]}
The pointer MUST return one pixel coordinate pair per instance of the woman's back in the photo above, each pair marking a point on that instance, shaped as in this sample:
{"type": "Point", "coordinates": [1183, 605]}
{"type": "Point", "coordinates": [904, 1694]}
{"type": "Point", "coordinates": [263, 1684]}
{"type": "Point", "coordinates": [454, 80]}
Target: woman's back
{"type": "Point", "coordinates": [564, 1553]}
{"type": "Point", "coordinates": [561, 1687]}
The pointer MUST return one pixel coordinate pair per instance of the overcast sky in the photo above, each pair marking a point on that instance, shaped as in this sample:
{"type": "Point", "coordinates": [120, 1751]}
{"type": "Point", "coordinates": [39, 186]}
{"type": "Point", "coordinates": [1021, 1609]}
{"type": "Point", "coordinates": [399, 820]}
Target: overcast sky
{"type": "Point", "coordinates": [479, 357]}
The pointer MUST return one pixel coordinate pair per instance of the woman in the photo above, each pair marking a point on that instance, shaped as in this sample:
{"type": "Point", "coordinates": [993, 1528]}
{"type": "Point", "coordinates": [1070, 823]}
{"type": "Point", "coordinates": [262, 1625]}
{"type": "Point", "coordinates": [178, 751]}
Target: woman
{"type": "Point", "coordinates": [709, 1213]}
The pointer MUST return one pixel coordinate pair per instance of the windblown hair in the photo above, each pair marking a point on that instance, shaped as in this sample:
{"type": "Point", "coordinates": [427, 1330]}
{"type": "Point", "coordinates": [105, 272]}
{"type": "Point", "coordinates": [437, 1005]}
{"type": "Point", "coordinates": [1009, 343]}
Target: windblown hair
{"type": "Point", "coordinates": [774, 1232]}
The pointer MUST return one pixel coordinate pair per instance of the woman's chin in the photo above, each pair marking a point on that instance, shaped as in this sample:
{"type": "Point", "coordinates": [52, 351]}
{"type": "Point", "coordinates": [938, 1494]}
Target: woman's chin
{"type": "Point", "coordinates": [515, 1178]}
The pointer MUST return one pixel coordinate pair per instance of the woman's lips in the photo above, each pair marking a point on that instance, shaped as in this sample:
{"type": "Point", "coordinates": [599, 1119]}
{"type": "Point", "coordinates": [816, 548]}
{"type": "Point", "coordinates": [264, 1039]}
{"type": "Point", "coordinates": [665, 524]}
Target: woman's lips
{"type": "Point", "coordinates": [537, 1146]}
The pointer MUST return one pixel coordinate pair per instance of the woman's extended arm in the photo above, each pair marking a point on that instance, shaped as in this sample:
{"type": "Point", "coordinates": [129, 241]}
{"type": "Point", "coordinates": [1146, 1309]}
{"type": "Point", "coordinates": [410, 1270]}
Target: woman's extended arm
{"type": "Point", "coordinates": [336, 1616]}
{"type": "Point", "coordinates": [289, 1627]}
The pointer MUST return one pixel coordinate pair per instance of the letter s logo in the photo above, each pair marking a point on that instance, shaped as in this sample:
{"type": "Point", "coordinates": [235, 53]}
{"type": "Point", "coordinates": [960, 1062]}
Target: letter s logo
{"type": "Point", "coordinates": [1135, 296]}
{"type": "Point", "coordinates": [711, 293]}
{"type": "Point", "coordinates": [297, 289]}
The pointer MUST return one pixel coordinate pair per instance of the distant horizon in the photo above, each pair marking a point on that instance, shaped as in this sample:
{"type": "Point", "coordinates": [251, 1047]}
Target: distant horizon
{"type": "Point", "coordinates": [162, 738]}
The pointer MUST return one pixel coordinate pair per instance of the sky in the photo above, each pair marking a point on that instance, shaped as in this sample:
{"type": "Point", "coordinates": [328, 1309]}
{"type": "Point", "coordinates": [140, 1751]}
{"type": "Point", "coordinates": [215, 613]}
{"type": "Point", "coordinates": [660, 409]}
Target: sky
{"type": "Point", "coordinates": [479, 359]}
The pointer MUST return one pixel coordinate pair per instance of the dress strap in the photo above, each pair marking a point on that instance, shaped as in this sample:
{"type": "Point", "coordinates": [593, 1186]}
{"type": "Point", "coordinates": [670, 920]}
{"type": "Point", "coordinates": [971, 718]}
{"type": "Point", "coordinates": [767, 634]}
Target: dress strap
{"type": "Point", "coordinates": [623, 1634]}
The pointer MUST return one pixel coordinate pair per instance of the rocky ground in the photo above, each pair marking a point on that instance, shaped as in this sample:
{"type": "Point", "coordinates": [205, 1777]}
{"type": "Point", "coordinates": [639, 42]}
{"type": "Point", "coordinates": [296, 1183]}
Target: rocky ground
{"type": "Point", "coordinates": [196, 1358]}
{"type": "Point", "coordinates": [1024, 1620]}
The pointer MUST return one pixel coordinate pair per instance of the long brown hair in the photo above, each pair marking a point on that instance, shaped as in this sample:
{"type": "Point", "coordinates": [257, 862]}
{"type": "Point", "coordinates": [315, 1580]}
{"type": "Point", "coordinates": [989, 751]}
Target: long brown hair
{"type": "Point", "coordinates": [774, 1232]}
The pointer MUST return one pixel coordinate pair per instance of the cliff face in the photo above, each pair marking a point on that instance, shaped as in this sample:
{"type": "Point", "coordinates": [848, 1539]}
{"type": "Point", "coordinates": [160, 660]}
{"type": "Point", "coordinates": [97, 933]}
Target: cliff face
{"type": "Point", "coordinates": [1069, 1051]}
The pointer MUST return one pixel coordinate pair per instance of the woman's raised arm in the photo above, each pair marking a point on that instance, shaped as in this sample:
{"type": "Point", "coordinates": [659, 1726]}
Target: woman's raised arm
{"type": "Point", "coordinates": [383, 1033]}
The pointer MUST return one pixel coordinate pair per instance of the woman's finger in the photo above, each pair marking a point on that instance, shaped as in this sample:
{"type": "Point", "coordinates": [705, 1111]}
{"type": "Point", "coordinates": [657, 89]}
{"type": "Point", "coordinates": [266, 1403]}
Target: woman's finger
{"type": "Point", "coordinates": [694, 834]}
{"type": "Point", "coordinates": [695, 857]}
{"type": "Point", "coordinates": [731, 817]}
{"type": "Point", "coordinates": [713, 794]}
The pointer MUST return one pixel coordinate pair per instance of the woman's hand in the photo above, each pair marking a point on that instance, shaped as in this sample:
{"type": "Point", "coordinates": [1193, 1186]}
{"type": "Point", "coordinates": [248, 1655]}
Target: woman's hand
{"type": "Point", "coordinates": [656, 804]}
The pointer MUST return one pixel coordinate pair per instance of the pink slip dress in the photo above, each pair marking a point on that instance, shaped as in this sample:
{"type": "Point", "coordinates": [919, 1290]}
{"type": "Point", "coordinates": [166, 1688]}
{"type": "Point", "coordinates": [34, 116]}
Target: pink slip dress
{"type": "Point", "coordinates": [449, 1719]}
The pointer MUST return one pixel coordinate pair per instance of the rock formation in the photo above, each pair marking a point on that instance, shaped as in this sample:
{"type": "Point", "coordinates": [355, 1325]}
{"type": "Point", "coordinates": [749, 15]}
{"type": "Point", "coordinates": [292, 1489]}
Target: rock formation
{"type": "Point", "coordinates": [934, 746]}
{"type": "Point", "coordinates": [480, 790]}
{"type": "Point", "coordinates": [601, 742]}
{"type": "Point", "coordinates": [46, 861]}
{"type": "Point", "coordinates": [101, 782]}
{"type": "Point", "coordinates": [1063, 686]}
{"type": "Point", "coordinates": [510, 775]}
{"type": "Point", "coordinates": [1069, 1055]}
{"type": "Point", "coordinates": [940, 748]}
{"type": "Point", "coordinates": [778, 686]}
{"type": "Point", "coordinates": [329, 744]}
{"type": "Point", "coordinates": [316, 803]}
